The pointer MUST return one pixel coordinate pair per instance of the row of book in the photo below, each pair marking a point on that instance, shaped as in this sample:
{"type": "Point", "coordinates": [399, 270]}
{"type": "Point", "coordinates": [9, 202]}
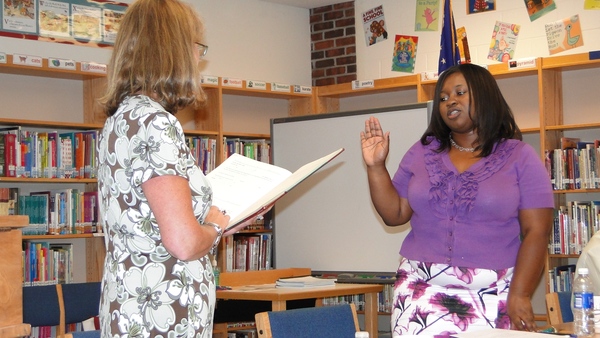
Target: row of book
{"type": "Point", "coordinates": [257, 149]}
{"type": "Point", "coordinates": [574, 225]}
{"type": "Point", "coordinates": [53, 212]}
{"type": "Point", "coordinates": [576, 165]}
{"type": "Point", "coordinates": [560, 278]}
{"type": "Point", "coordinates": [248, 252]}
{"type": "Point", "coordinates": [385, 301]}
{"type": "Point", "coordinates": [46, 263]}
{"type": "Point", "coordinates": [52, 154]}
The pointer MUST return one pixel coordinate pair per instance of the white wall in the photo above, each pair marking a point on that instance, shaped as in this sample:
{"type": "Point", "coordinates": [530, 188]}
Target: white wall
{"type": "Point", "coordinates": [375, 62]}
{"type": "Point", "coordinates": [248, 39]}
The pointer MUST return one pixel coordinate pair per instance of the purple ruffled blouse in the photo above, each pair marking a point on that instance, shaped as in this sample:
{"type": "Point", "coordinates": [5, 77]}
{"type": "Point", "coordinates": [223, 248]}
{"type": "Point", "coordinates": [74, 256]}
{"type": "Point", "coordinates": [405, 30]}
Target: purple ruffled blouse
{"type": "Point", "coordinates": [470, 219]}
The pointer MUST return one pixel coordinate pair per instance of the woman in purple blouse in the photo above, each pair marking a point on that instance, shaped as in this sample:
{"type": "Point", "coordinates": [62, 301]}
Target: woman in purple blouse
{"type": "Point", "coordinates": [479, 202]}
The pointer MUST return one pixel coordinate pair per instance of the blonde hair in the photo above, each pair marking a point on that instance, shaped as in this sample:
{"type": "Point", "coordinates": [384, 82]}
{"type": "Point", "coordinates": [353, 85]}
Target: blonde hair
{"type": "Point", "coordinates": [154, 55]}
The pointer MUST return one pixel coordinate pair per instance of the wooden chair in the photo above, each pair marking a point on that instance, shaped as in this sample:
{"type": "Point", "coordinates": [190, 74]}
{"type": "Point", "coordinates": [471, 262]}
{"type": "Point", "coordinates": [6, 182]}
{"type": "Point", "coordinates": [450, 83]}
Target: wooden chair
{"type": "Point", "coordinates": [338, 321]}
{"type": "Point", "coordinates": [558, 306]}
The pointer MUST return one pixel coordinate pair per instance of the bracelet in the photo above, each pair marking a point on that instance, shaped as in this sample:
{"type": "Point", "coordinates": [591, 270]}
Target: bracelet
{"type": "Point", "coordinates": [218, 238]}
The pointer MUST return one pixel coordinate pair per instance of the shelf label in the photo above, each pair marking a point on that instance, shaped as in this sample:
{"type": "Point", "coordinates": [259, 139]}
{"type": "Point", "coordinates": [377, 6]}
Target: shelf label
{"type": "Point", "coordinates": [27, 60]}
{"type": "Point", "coordinates": [280, 87]}
{"type": "Point", "coordinates": [522, 63]}
{"type": "Point", "coordinates": [363, 84]}
{"type": "Point", "coordinates": [231, 82]}
{"type": "Point", "coordinates": [211, 80]}
{"type": "Point", "coordinates": [3, 58]}
{"type": "Point", "coordinates": [258, 85]}
{"type": "Point", "coordinates": [302, 89]}
{"type": "Point", "coordinates": [426, 76]}
{"type": "Point", "coordinates": [93, 67]}
{"type": "Point", "coordinates": [62, 64]}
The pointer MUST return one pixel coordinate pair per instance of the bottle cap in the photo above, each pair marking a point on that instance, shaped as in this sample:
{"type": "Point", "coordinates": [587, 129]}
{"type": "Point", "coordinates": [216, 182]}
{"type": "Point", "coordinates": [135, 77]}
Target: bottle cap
{"type": "Point", "coordinates": [582, 271]}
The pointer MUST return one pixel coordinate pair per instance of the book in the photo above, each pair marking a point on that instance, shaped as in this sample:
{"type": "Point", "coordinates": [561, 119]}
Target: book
{"type": "Point", "coordinates": [305, 281]}
{"type": "Point", "coordinates": [244, 187]}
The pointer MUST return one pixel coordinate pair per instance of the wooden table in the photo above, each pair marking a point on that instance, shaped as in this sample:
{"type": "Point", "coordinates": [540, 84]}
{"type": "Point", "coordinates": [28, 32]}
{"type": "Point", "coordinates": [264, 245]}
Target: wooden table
{"type": "Point", "coordinates": [279, 297]}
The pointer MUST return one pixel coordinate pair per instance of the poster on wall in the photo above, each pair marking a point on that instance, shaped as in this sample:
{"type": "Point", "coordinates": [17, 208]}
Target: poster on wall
{"type": "Point", "coordinates": [538, 8]}
{"type": "Point", "coordinates": [564, 34]}
{"type": "Point", "coordinates": [427, 15]}
{"type": "Point", "coordinates": [374, 25]}
{"type": "Point", "coordinates": [480, 6]}
{"type": "Point", "coordinates": [81, 22]}
{"type": "Point", "coordinates": [591, 4]}
{"type": "Point", "coordinates": [504, 41]}
{"type": "Point", "coordinates": [463, 45]}
{"type": "Point", "coordinates": [405, 53]}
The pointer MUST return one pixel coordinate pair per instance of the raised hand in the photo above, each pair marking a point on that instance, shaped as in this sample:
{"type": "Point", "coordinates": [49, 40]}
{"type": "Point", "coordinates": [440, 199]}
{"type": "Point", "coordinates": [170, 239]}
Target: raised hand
{"type": "Point", "coordinates": [375, 143]}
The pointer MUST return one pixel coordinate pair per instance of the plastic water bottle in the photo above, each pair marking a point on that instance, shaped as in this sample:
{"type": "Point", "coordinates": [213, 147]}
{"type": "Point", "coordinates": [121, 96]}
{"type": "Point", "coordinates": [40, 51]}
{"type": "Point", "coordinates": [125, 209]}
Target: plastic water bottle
{"type": "Point", "coordinates": [583, 304]}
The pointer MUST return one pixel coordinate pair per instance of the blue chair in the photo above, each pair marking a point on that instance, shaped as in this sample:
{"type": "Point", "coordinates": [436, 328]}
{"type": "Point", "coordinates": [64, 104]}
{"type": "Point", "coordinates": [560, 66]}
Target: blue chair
{"type": "Point", "coordinates": [558, 306]}
{"type": "Point", "coordinates": [338, 321]}
{"type": "Point", "coordinates": [62, 304]}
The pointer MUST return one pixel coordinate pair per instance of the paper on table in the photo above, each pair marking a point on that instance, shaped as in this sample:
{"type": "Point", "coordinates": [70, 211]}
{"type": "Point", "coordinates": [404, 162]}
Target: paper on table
{"type": "Point", "coordinates": [243, 187]}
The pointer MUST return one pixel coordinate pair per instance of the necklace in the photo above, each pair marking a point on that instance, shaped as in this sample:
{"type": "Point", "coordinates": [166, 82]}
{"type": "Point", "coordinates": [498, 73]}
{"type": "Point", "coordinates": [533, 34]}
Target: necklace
{"type": "Point", "coordinates": [470, 150]}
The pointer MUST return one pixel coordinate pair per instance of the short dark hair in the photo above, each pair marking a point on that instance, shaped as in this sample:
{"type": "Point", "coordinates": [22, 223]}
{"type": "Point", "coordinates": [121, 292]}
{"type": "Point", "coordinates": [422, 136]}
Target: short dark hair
{"type": "Point", "coordinates": [494, 120]}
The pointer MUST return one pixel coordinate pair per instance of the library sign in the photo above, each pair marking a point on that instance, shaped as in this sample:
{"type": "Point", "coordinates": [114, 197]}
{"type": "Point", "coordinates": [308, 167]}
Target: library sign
{"type": "Point", "coordinates": [93, 23]}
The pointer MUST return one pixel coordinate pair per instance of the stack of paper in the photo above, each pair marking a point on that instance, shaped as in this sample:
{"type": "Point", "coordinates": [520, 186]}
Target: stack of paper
{"type": "Point", "coordinates": [301, 282]}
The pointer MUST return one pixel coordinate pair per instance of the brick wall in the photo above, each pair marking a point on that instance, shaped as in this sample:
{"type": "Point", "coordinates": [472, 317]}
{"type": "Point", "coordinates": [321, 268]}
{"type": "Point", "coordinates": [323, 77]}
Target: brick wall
{"type": "Point", "coordinates": [333, 44]}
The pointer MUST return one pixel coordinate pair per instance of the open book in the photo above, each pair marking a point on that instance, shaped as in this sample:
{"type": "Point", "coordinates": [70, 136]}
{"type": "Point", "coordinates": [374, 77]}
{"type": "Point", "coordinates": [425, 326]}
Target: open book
{"type": "Point", "coordinates": [244, 187]}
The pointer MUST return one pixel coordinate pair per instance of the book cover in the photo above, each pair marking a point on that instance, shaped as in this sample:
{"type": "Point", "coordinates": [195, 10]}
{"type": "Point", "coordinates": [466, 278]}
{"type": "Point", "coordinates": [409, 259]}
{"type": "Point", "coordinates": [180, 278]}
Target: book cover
{"type": "Point", "coordinates": [374, 25]}
{"type": "Point", "coordinates": [10, 153]}
{"type": "Point", "coordinates": [67, 141]}
{"type": "Point", "coordinates": [564, 34]}
{"type": "Point", "coordinates": [504, 41]}
{"type": "Point", "coordinates": [405, 53]}
{"type": "Point", "coordinates": [427, 15]}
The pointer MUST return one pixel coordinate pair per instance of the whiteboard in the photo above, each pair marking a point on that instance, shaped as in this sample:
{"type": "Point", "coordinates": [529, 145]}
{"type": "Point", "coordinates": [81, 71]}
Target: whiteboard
{"type": "Point", "coordinates": [328, 223]}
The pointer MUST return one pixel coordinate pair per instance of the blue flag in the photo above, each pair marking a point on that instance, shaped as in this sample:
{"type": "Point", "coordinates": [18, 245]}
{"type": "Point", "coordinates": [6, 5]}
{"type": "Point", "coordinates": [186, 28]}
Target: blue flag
{"type": "Point", "coordinates": [449, 53]}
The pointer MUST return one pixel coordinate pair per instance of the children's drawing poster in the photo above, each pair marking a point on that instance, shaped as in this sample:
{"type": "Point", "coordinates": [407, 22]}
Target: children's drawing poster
{"type": "Point", "coordinates": [374, 25]}
{"type": "Point", "coordinates": [538, 8]}
{"type": "Point", "coordinates": [427, 15]}
{"type": "Point", "coordinates": [504, 41]}
{"type": "Point", "coordinates": [564, 34]}
{"type": "Point", "coordinates": [405, 53]}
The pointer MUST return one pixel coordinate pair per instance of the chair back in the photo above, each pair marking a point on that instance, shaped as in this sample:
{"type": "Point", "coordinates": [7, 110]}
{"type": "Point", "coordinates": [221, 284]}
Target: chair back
{"type": "Point", "coordinates": [62, 304]}
{"type": "Point", "coordinates": [338, 321]}
{"type": "Point", "coordinates": [558, 306]}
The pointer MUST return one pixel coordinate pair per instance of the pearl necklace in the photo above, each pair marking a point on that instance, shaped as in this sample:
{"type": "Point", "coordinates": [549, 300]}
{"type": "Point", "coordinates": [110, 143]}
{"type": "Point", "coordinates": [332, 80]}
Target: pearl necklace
{"type": "Point", "coordinates": [470, 150]}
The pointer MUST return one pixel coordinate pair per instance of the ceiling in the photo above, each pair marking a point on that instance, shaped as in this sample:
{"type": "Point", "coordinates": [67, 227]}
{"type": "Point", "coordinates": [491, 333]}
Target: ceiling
{"type": "Point", "coordinates": [307, 3]}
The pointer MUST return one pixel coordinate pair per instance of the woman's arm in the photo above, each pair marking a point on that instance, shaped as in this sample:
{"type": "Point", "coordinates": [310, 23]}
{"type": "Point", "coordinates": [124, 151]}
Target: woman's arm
{"type": "Point", "coordinates": [375, 146]}
{"type": "Point", "coordinates": [169, 197]}
{"type": "Point", "coordinates": [535, 229]}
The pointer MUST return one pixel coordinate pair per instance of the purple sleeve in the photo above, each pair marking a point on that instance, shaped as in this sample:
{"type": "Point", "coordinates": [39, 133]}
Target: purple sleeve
{"type": "Point", "coordinates": [403, 174]}
{"type": "Point", "coordinates": [535, 185]}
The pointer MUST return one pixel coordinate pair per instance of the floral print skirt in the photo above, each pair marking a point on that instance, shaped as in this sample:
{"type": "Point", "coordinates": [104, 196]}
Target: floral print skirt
{"type": "Point", "coordinates": [439, 300]}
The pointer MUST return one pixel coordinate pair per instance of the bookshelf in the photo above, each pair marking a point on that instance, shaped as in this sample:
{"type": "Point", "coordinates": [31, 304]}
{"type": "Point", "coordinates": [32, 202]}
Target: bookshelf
{"type": "Point", "coordinates": [69, 103]}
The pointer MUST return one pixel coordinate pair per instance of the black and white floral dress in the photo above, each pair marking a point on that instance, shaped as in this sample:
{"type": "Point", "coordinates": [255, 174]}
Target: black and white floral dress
{"type": "Point", "coordinates": [146, 291]}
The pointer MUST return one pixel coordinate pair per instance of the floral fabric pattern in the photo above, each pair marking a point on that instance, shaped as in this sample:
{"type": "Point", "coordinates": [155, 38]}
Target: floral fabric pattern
{"type": "Point", "coordinates": [438, 299]}
{"type": "Point", "coordinates": [146, 291]}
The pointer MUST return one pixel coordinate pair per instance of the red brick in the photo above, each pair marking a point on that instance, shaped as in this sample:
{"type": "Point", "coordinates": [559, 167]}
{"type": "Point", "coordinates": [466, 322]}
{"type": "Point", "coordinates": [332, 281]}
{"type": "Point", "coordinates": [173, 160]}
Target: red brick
{"type": "Point", "coordinates": [347, 41]}
{"type": "Point", "coordinates": [334, 34]}
{"type": "Point", "coordinates": [314, 37]}
{"type": "Point", "coordinates": [324, 63]}
{"type": "Point", "coordinates": [335, 71]}
{"type": "Point", "coordinates": [346, 60]}
{"type": "Point", "coordinates": [325, 81]}
{"type": "Point", "coordinates": [333, 15]}
{"type": "Point", "coordinates": [332, 53]}
{"type": "Point", "coordinates": [346, 22]}
{"type": "Point", "coordinates": [316, 18]}
{"type": "Point", "coordinates": [321, 9]}
{"type": "Point", "coordinates": [322, 26]}
{"type": "Point", "coordinates": [346, 78]}
{"type": "Point", "coordinates": [325, 44]}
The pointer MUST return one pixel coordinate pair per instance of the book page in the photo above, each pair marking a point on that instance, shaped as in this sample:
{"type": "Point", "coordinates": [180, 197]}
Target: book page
{"type": "Point", "coordinates": [243, 186]}
{"type": "Point", "coordinates": [240, 180]}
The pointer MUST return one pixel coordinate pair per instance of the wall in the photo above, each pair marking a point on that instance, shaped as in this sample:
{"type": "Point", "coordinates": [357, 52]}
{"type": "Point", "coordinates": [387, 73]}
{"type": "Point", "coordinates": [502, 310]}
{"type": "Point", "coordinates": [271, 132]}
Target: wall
{"type": "Point", "coordinates": [375, 62]}
{"type": "Point", "coordinates": [333, 44]}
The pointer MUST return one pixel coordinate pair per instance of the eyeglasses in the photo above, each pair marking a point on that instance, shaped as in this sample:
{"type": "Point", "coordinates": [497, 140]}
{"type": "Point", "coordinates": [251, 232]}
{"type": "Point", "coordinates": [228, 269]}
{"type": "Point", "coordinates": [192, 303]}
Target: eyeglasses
{"type": "Point", "coordinates": [202, 49]}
